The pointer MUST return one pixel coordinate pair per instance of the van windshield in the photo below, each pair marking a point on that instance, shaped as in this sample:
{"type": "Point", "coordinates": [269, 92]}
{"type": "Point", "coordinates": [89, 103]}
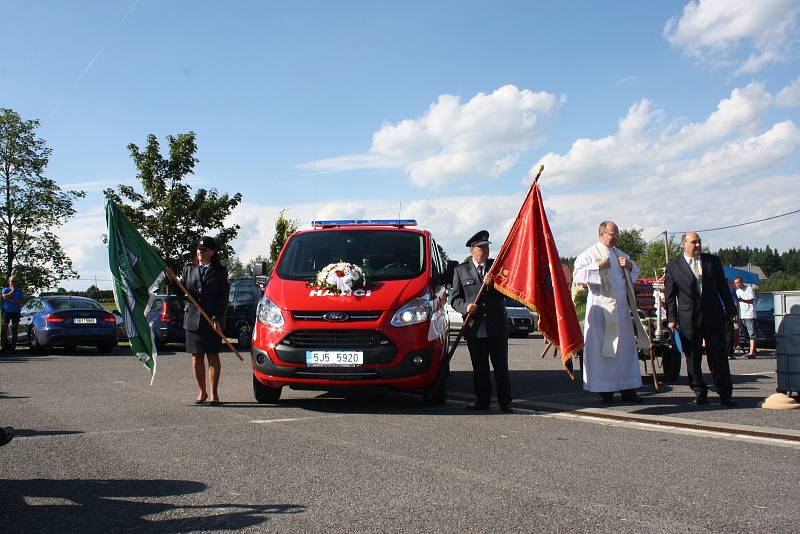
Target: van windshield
{"type": "Point", "coordinates": [382, 254]}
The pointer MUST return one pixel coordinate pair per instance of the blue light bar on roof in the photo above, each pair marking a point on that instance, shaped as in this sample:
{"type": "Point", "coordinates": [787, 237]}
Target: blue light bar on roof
{"type": "Point", "coordinates": [364, 222]}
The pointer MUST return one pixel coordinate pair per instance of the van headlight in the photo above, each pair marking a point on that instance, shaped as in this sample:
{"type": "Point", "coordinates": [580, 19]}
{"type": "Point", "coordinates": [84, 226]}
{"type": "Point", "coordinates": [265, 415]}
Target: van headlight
{"type": "Point", "coordinates": [269, 313]}
{"type": "Point", "coordinates": [418, 310]}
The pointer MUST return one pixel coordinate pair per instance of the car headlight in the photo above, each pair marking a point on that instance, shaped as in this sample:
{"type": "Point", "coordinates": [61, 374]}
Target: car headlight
{"type": "Point", "coordinates": [269, 313]}
{"type": "Point", "coordinates": [418, 310]}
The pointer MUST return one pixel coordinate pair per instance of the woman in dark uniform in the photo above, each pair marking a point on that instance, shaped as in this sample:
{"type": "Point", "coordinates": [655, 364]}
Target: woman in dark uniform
{"type": "Point", "coordinates": [207, 281]}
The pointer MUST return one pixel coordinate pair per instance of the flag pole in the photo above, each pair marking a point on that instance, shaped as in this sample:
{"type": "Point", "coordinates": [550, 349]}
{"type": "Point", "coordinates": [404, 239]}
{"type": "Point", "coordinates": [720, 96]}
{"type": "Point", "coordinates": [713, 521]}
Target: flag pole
{"type": "Point", "coordinates": [174, 279]}
{"type": "Point", "coordinates": [446, 362]}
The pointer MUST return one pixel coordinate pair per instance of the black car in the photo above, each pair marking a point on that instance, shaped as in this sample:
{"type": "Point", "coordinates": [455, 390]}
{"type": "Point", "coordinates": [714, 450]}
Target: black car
{"type": "Point", "coordinates": [765, 319]}
{"type": "Point", "coordinates": [240, 318]}
{"type": "Point", "coordinates": [166, 319]}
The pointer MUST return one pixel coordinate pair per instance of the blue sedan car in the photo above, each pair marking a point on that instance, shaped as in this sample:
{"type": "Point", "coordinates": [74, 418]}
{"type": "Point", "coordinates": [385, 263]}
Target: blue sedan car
{"type": "Point", "coordinates": [66, 322]}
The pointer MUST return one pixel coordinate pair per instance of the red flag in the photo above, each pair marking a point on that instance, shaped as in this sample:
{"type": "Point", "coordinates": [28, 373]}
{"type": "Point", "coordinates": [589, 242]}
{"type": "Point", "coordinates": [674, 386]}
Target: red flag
{"type": "Point", "coordinates": [528, 270]}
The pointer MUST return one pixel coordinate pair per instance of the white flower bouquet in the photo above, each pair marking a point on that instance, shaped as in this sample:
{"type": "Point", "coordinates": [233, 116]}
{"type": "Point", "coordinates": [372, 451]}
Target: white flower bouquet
{"type": "Point", "coordinates": [341, 278]}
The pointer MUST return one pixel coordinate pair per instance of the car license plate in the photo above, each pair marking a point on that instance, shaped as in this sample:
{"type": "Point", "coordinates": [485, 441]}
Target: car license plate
{"type": "Point", "coordinates": [85, 320]}
{"type": "Point", "coordinates": [334, 358]}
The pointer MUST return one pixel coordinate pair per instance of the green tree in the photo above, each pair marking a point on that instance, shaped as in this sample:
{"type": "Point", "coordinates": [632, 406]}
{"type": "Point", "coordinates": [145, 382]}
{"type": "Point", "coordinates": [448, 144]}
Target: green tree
{"type": "Point", "coordinates": [32, 206]}
{"type": "Point", "coordinates": [781, 281]}
{"type": "Point", "coordinates": [631, 242]}
{"type": "Point", "coordinates": [235, 267]}
{"type": "Point", "coordinates": [768, 259]}
{"type": "Point", "coordinates": [93, 292]}
{"type": "Point", "coordinates": [791, 261]}
{"type": "Point", "coordinates": [165, 211]}
{"type": "Point", "coordinates": [283, 229]}
{"type": "Point", "coordinates": [652, 261]}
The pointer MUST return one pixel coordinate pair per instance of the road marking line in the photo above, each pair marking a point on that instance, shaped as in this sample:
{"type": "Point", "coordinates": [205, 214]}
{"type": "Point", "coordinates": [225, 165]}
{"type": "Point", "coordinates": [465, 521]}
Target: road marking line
{"type": "Point", "coordinates": [289, 419]}
{"type": "Point", "coordinates": [765, 373]}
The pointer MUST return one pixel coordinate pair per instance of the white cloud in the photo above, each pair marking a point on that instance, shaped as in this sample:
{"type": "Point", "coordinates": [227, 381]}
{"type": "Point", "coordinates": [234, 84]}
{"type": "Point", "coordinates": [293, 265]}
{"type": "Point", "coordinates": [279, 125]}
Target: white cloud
{"type": "Point", "coordinates": [718, 32]}
{"type": "Point", "coordinates": [483, 137]}
{"type": "Point", "coordinates": [789, 96]}
{"type": "Point", "coordinates": [648, 147]}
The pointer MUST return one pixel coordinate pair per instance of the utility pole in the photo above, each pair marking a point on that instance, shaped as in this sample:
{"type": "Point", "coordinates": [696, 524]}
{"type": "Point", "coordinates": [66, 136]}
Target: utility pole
{"type": "Point", "coordinates": [666, 248]}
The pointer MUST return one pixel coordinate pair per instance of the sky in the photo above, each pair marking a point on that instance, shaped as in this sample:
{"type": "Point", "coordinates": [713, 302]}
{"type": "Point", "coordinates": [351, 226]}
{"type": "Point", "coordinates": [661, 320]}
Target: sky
{"type": "Point", "coordinates": [668, 115]}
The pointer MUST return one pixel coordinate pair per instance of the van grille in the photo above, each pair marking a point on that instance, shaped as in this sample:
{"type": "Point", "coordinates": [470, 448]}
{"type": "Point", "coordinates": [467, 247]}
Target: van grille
{"type": "Point", "coordinates": [336, 339]}
{"type": "Point", "coordinates": [351, 316]}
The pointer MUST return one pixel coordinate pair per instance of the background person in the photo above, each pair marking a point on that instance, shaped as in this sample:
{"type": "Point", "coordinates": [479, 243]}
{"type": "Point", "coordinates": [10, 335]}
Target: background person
{"type": "Point", "coordinates": [487, 331]}
{"type": "Point", "coordinates": [206, 279]}
{"type": "Point", "coordinates": [13, 299]}
{"type": "Point", "coordinates": [696, 290]}
{"type": "Point", "coordinates": [747, 313]}
{"type": "Point", "coordinates": [610, 353]}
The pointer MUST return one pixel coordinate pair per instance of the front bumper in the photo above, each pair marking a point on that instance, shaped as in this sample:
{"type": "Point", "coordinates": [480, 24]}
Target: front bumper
{"type": "Point", "coordinates": [403, 375]}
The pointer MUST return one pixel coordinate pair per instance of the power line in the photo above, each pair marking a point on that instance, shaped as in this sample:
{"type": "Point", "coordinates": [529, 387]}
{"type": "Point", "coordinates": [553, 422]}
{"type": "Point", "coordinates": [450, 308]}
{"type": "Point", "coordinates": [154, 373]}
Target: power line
{"type": "Point", "coordinates": [726, 227]}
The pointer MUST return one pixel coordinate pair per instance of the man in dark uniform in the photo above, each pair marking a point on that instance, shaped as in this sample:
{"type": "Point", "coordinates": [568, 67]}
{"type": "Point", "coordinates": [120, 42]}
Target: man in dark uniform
{"type": "Point", "coordinates": [696, 291]}
{"type": "Point", "coordinates": [487, 331]}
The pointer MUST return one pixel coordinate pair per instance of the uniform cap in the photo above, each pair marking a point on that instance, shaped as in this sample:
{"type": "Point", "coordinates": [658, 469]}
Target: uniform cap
{"type": "Point", "coordinates": [207, 242]}
{"type": "Point", "coordinates": [480, 238]}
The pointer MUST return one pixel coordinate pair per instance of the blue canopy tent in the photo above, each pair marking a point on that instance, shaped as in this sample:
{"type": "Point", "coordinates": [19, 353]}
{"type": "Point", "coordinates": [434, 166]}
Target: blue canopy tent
{"type": "Point", "coordinates": [747, 276]}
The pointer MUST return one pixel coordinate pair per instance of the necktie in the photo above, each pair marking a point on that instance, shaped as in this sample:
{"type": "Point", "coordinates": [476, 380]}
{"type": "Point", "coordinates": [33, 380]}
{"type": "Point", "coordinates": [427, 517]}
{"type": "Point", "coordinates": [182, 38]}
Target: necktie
{"type": "Point", "coordinates": [480, 271]}
{"type": "Point", "coordinates": [696, 271]}
{"type": "Point", "coordinates": [202, 271]}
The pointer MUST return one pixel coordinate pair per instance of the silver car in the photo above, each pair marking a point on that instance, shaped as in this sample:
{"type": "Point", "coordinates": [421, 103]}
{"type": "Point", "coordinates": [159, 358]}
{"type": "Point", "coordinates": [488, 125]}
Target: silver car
{"type": "Point", "coordinates": [521, 321]}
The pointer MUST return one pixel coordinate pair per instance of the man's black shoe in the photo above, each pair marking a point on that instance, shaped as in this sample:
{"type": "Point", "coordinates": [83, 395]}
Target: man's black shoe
{"type": "Point", "coordinates": [607, 398]}
{"type": "Point", "coordinates": [477, 406]}
{"type": "Point", "coordinates": [700, 400]}
{"type": "Point", "coordinates": [728, 402]}
{"type": "Point", "coordinates": [506, 408]}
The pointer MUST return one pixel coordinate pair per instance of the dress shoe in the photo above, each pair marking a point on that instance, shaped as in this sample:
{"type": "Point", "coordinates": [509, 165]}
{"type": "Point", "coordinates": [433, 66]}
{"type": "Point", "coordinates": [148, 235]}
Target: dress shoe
{"type": "Point", "coordinates": [632, 397]}
{"type": "Point", "coordinates": [728, 402]}
{"type": "Point", "coordinates": [607, 398]}
{"type": "Point", "coordinates": [751, 356]}
{"type": "Point", "coordinates": [478, 406]}
{"type": "Point", "coordinates": [506, 408]}
{"type": "Point", "coordinates": [700, 400]}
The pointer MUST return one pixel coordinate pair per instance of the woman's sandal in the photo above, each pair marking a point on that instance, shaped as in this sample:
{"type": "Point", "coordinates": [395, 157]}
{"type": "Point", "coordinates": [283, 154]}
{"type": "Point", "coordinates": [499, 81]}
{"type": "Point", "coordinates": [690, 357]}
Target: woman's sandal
{"type": "Point", "coordinates": [201, 400]}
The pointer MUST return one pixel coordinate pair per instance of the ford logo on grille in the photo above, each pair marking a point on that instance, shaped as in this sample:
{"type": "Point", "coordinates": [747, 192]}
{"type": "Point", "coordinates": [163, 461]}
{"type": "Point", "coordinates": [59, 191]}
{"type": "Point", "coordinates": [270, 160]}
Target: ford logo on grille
{"type": "Point", "coordinates": [336, 316]}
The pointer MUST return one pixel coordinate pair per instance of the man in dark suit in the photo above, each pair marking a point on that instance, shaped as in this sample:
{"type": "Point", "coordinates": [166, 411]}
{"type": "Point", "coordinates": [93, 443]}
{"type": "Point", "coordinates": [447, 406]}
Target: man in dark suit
{"type": "Point", "coordinates": [696, 290]}
{"type": "Point", "coordinates": [487, 331]}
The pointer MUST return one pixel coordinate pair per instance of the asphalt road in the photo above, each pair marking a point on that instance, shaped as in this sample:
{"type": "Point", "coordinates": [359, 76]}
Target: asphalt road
{"type": "Point", "coordinates": [100, 450]}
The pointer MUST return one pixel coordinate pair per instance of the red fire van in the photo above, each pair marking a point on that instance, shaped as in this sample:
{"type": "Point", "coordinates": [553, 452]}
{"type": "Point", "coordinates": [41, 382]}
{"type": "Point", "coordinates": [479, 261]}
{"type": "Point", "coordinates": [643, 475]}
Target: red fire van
{"type": "Point", "coordinates": [383, 323]}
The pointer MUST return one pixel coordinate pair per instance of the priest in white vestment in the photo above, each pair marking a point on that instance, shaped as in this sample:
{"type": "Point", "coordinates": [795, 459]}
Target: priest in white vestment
{"type": "Point", "coordinates": [610, 354]}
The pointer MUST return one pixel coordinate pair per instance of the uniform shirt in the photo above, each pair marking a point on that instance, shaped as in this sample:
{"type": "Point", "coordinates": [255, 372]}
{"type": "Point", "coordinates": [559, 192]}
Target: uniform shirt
{"type": "Point", "coordinates": [12, 307]}
{"type": "Point", "coordinates": [746, 310]}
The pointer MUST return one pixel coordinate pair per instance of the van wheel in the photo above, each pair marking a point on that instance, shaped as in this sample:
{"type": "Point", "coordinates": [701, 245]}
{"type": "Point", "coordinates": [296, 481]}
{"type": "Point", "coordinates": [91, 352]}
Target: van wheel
{"type": "Point", "coordinates": [244, 337]}
{"type": "Point", "coordinates": [265, 394]}
{"type": "Point", "coordinates": [436, 394]}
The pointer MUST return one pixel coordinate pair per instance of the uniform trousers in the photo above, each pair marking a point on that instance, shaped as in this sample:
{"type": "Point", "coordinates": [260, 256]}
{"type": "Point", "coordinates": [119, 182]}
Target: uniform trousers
{"type": "Point", "coordinates": [481, 351]}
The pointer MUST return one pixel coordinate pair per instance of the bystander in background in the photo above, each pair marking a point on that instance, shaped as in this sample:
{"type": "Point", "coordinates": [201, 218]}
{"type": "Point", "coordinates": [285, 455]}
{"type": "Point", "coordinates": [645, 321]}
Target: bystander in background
{"type": "Point", "coordinates": [13, 299]}
{"type": "Point", "coordinates": [747, 313]}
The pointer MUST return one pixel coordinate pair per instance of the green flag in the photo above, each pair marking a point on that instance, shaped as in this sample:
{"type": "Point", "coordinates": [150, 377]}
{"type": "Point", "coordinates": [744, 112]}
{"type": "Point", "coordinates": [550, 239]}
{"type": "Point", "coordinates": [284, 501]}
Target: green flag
{"type": "Point", "coordinates": [137, 271]}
